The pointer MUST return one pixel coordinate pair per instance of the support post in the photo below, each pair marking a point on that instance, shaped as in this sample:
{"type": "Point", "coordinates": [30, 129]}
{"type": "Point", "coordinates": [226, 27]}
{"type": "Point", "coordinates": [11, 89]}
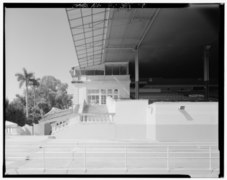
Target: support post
{"type": "Point", "coordinates": [44, 159]}
{"type": "Point", "coordinates": [85, 159]}
{"type": "Point", "coordinates": [136, 74]}
{"type": "Point", "coordinates": [126, 160]}
{"type": "Point", "coordinates": [167, 158]}
{"type": "Point", "coordinates": [206, 70]}
{"type": "Point", "coordinates": [210, 159]}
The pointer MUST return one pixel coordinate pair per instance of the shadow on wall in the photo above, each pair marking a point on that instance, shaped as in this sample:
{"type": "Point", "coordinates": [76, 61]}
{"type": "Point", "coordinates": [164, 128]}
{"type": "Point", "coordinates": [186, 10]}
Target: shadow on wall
{"type": "Point", "coordinates": [28, 130]}
{"type": "Point", "coordinates": [47, 129]}
{"type": "Point", "coordinates": [25, 130]}
{"type": "Point", "coordinates": [186, 115]}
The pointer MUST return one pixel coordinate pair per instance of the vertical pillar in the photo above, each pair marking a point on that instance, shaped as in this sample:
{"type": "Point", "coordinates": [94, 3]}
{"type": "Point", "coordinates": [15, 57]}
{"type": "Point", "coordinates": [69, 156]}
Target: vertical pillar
{"type": "Point", "coordinates": [206, 70]}
{"type": "Point", "coordinates": [100, 96]}
{"type": "Point", "coordinates": [136, 75]}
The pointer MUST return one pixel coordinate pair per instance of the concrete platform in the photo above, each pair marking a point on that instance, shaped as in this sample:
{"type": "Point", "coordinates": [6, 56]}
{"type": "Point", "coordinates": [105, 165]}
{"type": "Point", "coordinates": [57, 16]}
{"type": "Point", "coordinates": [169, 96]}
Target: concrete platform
{"type": "Point", "coordinates": [40, 155]}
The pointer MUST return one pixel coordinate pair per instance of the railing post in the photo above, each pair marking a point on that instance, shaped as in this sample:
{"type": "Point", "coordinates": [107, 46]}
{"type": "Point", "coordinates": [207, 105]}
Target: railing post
{"type": "Point", "coordinates": [126, 167]}
{"type": "Point", "coordinates": [73, 154]}
{"type": "Point", "coordinates": [44, 159]}
{"type": "Point", "coordinates": [85, 159]}
{"type": "Point", "coordinates": [210, 159]}
{"type": "Point", "coordinates": [167, 159]}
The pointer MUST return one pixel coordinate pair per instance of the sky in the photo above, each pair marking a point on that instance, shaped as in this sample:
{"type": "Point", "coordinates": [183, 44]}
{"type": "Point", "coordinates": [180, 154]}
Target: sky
{"type": "Point", "coordinates": [39, 40]}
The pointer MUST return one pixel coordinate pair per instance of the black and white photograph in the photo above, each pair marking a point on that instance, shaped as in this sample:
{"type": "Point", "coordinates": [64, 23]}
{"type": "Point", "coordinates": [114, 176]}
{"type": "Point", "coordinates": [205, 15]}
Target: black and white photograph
{"type": "Point", "coordinates": [113, 89]}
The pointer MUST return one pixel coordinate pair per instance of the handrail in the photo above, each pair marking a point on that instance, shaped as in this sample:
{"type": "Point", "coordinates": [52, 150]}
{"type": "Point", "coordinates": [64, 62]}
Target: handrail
{"type": "Point", "coordinates": [156, 144]}
{"type": "Point", "coordinates": [125, 150]}
{"type": "Point", "coordinates": [96, 114]}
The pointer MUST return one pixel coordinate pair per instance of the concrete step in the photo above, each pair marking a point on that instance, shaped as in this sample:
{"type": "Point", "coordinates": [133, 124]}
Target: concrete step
{"type": "Point", "coordinates": [99, 109]}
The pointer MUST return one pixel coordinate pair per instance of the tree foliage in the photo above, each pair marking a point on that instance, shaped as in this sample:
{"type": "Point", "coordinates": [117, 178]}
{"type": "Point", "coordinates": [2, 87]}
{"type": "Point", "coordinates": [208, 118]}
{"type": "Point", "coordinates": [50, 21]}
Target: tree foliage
{"type": "Point", "coordinates": [14, 112]}
{"type": "Point", "coordinates": [25, 78]}
{"type": "Point", "coordinates": [39, 96]}
{"type": "Point", "coordinates": [51, 92]}
{"type": "Point", "coordinates": [54, 92]}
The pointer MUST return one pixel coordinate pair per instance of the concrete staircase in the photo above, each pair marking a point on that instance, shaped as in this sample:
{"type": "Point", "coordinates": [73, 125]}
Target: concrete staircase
{"type": "Point", "coordinates": [96, 109]}
{"type": "Point", "coordinates": [95, 114]}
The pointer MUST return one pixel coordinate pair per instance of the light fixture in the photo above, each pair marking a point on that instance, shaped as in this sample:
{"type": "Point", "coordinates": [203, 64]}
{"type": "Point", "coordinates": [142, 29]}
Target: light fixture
{"type": "Point", "coordinates": [182, 108]}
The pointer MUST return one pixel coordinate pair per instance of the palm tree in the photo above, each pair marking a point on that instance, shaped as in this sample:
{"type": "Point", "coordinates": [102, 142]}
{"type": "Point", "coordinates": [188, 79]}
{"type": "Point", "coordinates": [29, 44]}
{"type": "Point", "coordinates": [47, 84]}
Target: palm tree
{"type": "Point", "coordinates": [34, 83]}
{"type": "Point", "coordinates": [25, 78]}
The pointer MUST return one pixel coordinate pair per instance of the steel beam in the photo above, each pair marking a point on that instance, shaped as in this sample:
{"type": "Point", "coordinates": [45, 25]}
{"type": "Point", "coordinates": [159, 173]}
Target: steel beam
{"type": "Point", "coordinates": [136, 74]}
{"type": "Point", "coordinates": [206, 69]}
{"type": "Point", "coordinates": [153, 18]}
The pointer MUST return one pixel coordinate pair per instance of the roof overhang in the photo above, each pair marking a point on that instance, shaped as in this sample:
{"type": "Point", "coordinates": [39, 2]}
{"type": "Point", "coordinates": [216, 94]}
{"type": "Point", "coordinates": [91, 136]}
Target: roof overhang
{"type": "Point", "coordinates": [88, 27]}
{"type": "Point", "coordinates": [163, 37]}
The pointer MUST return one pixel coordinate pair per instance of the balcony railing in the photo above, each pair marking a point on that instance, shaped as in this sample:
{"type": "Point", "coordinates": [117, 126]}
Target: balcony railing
{"type": "Point", "coordinates": [83, 78]}
{"type": "Point", "coordinates": [96, 118]}
{"type": "Point", "coordinates": [78, 73]}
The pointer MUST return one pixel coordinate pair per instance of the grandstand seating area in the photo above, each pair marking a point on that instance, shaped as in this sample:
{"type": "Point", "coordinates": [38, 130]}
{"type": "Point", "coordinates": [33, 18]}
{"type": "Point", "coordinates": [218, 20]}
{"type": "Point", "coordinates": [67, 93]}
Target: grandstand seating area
{"type": "Point", "coordinates": [155, 97]}
{"type": "Point", "coordinates": [40, 155]}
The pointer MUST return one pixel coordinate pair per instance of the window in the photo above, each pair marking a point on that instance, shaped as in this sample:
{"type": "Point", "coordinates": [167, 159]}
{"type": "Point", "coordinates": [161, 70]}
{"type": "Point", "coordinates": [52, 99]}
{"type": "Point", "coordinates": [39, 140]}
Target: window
{"type": "Point", "coordinates": [93, 96]}
{"type": "Point", "coordinates": [115, 70]}
{"type": "Point", "coordinates": [108, 70]}
{"type": "Point", "coordinates": [93, 99]}
{"type": "Point", "coordinates": [99, 72]}
{"type": "Point", "coordinates": [96, 99]}
{"type": "Point", "coordinates": [95, 91]}
{"type": "Point", "coordinates": [89, 72]}
{"type": "Point", "coordinates": [98, 96]}
{"type": "Point", "coordinates": [123, 70]}
{"type": "Point", "coordinates": [103, 91]}
{"type": "Point", "coordinates": [103, 99]}
{"type": "Point", "coordinates": [109, 92]}
{"type": "Point", "coordinates": [115, 91]}
{"type": "Point", "coordinates": [83, 72]}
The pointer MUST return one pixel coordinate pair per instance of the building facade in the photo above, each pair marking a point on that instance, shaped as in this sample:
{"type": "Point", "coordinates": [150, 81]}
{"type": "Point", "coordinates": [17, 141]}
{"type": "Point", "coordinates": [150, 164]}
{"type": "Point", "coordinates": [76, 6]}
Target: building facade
{"type": "Point", "coordinates": [95, 84]}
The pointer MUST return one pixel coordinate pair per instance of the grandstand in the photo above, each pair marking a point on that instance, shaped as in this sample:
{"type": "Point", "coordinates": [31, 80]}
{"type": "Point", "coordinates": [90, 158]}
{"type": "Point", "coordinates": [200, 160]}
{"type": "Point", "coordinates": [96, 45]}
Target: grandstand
{"type": "Point", "coordinates": [125, 119]}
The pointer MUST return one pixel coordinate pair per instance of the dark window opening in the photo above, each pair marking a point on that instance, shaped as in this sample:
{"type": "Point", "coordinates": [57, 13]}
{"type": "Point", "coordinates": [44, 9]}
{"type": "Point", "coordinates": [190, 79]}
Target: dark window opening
{"type": "Point", "coordinates": [108, 70]}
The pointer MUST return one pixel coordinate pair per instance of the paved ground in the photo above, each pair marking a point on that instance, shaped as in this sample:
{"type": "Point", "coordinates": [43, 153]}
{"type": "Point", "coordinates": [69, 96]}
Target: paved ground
{"type": "Point", "coordinates": [40, 155]}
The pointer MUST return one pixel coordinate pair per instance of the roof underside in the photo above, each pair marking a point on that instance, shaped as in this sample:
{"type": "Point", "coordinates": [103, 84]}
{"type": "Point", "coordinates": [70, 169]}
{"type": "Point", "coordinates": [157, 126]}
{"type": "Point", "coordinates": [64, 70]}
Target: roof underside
{"type": "Point", "coordinates": [88, 28]}
{"type": "Point", "coordinates": [164, 35]}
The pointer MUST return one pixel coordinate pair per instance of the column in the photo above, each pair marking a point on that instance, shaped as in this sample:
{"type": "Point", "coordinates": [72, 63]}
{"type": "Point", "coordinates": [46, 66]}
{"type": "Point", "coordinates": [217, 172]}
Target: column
{"type": "Point", "coordinates": [100, 97]}
{"type": "Point", "coordinates": [136, 75]}
{"type": "Point", "coordinates": [206, 70]}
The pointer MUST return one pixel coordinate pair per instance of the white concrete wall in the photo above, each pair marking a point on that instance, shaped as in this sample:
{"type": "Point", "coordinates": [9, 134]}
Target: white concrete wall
{"type": "Point", "coordinates": [82, 94]}
{"type": "Point", "coordinates": [75, 96]}
{"type": "Point", "coordinates": [131, 112]}
{"type": "Point", "coordinates": [88, 131]}
{"type": "Point", "coordinates": [11, 130]}
{"type": "Point", "coordinates": [111, 105]}
{"type": "Point", "coordinates": [151, 122]}
{"type": "Point", "coordinates": [130, 119]}
{"type": "Point", "coordinates": [120, 82]}
{"type": "Point", "coordinates": [198, 122]}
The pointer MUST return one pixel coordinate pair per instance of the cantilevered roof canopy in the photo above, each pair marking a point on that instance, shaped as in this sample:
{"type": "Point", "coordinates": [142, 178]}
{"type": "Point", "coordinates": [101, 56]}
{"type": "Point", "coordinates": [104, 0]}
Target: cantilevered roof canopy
{"type": "Point", "coordinates": [166, 38]}
{"type": "Point", "coordinates": [99, 32]}
{"type": "Point", "coordinates": [126, 31]}
{"type": "Point", "coordinates": [88, 28]}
